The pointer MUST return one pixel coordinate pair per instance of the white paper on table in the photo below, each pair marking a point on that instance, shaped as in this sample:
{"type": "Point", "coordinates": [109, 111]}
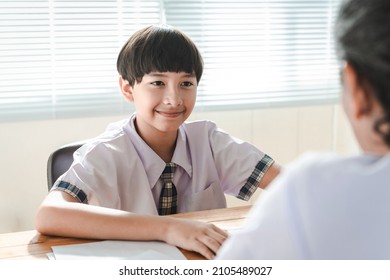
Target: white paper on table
{"type": "Point", "coordinates": [118, 250]}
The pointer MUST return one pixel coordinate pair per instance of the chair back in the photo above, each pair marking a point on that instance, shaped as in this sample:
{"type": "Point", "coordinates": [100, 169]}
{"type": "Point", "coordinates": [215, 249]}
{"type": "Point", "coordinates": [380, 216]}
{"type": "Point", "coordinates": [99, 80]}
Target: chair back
{"type": "Point", "coordinates": [59, 162]}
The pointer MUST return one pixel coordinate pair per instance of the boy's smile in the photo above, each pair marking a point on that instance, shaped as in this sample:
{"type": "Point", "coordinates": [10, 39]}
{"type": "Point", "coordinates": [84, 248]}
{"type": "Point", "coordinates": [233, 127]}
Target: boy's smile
{"type": "Point", "coordinates": [170, 114]}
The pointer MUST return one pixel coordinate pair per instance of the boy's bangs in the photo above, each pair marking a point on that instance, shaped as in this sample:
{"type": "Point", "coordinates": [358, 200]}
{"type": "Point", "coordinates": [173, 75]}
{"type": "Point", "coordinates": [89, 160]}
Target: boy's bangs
{"type": "Point", "coordinates": [172, 53]}
{"type": "Point", "coordinates": [171, 59]}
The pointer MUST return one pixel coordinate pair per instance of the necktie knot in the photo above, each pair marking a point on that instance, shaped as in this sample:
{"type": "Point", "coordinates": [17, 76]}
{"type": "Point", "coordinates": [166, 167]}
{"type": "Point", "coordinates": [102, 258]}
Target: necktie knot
{"type": "Point", "coordinates": [167, 174]}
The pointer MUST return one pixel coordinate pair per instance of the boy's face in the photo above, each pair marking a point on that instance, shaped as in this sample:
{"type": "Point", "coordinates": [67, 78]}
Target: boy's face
{"type": "Point", "coordinates": [163, 101]}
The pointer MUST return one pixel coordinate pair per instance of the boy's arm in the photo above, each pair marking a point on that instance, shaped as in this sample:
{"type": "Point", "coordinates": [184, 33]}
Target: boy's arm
{"type": "Point", "coordinates": [60, 214]}
{"type": "Point", "coordinates": [272, 172]}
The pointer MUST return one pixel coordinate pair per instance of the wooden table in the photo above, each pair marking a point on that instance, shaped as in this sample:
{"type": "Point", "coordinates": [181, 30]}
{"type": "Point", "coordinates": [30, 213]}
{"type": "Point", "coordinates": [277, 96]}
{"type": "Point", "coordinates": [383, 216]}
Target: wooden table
{"type": "Point", "coordinates": [33, 245]}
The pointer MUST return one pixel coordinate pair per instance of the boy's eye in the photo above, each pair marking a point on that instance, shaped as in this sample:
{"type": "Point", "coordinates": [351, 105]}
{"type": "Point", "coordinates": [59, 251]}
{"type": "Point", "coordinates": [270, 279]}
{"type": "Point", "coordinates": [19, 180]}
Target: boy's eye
{"type": "Point", "coordinates": [158, 83]}
{"type": "Point", "coordinates": [187, 84]}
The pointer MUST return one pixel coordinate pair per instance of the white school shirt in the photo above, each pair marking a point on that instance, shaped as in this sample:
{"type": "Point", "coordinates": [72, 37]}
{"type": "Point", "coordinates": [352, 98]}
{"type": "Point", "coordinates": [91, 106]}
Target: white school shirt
{"type": "Point", "coordinates": [320, 207]}
{"type": "Point", "coordinates": [119, 170]}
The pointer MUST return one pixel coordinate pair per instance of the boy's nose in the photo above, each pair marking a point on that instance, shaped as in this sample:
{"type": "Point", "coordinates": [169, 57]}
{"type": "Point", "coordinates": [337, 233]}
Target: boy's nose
{"type": "Point", "coordinates": [173, 97]}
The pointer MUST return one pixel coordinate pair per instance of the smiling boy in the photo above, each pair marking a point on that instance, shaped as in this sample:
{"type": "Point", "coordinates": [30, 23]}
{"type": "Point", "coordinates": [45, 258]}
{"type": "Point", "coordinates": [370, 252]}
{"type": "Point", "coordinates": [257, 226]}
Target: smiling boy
{"type": "Point", "coordinates": [115, 188]}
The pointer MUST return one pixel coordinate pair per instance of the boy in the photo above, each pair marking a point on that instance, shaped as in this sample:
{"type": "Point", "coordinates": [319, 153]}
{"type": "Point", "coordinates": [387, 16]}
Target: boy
{"type": "Point", "coordinates": [113, 189]}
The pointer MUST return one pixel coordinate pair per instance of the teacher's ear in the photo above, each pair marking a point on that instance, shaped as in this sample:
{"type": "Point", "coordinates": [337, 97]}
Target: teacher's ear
{"type": "Point", "coordinates": [361, 103]}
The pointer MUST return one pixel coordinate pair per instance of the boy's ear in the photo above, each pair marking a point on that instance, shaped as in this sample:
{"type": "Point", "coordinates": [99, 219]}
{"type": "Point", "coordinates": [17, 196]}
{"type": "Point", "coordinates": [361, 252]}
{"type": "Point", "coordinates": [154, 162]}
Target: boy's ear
{"type": "Point", "coordinates": [361, 103]}
{"type": "Point", "coordinates": [126, 89]}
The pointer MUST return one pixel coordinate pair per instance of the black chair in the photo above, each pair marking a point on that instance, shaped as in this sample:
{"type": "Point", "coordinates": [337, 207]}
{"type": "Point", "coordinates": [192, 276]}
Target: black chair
{"type": "Point", "coordinates": [59, 161]}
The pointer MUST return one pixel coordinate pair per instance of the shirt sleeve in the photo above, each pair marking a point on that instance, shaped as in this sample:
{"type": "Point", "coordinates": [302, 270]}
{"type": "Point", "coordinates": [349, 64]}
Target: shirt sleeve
{"type": "Point", "coordinates": [253, 181]}
{"type": "Point", "coordinates": [71, 189]}
{"type": "Point", "coordinates": [93, 175]}
{"type": "Point", "coordinates": [240, 165]}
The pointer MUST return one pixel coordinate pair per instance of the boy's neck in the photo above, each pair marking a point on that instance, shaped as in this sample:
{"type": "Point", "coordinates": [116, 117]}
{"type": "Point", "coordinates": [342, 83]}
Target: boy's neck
{"type": "Point", "coordinates": [162, 143]}
{"type": "Point", "coordinates": [164, 148]}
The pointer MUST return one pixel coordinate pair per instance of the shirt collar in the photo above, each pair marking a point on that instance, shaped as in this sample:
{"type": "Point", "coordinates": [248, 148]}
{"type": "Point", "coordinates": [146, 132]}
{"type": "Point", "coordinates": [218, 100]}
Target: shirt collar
{"type": "Point", "coordinates": [182, 155]}
{"type": "Point", "coordinates": [152, 163]}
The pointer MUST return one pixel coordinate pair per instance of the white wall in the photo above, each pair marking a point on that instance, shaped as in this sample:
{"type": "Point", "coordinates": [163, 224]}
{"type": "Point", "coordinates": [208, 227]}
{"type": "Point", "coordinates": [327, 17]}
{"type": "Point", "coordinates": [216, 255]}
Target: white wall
{"type": "Point", "coordinates": [283, 133]}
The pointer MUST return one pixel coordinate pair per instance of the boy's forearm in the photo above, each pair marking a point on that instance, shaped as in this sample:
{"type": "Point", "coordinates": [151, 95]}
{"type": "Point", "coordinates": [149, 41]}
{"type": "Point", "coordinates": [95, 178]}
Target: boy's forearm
{"type": "Point", "coordinates": [87, 221]}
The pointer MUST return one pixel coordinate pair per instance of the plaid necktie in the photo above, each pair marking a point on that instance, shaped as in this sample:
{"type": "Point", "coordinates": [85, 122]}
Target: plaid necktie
{"type": "Point", "coordinates": [168, 196]}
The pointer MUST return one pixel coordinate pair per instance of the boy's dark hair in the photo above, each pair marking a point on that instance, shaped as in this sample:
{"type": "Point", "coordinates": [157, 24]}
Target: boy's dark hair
{"type": "Point", "coordinates": [363, 40]}
{"type": "Point", "coordinates": [159, 48]}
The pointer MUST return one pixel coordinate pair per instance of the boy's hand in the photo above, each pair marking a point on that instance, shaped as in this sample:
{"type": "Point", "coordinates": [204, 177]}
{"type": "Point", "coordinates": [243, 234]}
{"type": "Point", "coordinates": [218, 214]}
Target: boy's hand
{"type": "Point", "coordinates": [195, 236]}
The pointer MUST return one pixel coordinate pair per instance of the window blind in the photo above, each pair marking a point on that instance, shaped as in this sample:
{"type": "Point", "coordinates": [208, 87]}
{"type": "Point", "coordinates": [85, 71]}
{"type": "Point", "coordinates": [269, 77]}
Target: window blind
{"type": "Point", "coordinates": [58, 58]}
{"type": "Point", "coordinates": [262, 53]}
